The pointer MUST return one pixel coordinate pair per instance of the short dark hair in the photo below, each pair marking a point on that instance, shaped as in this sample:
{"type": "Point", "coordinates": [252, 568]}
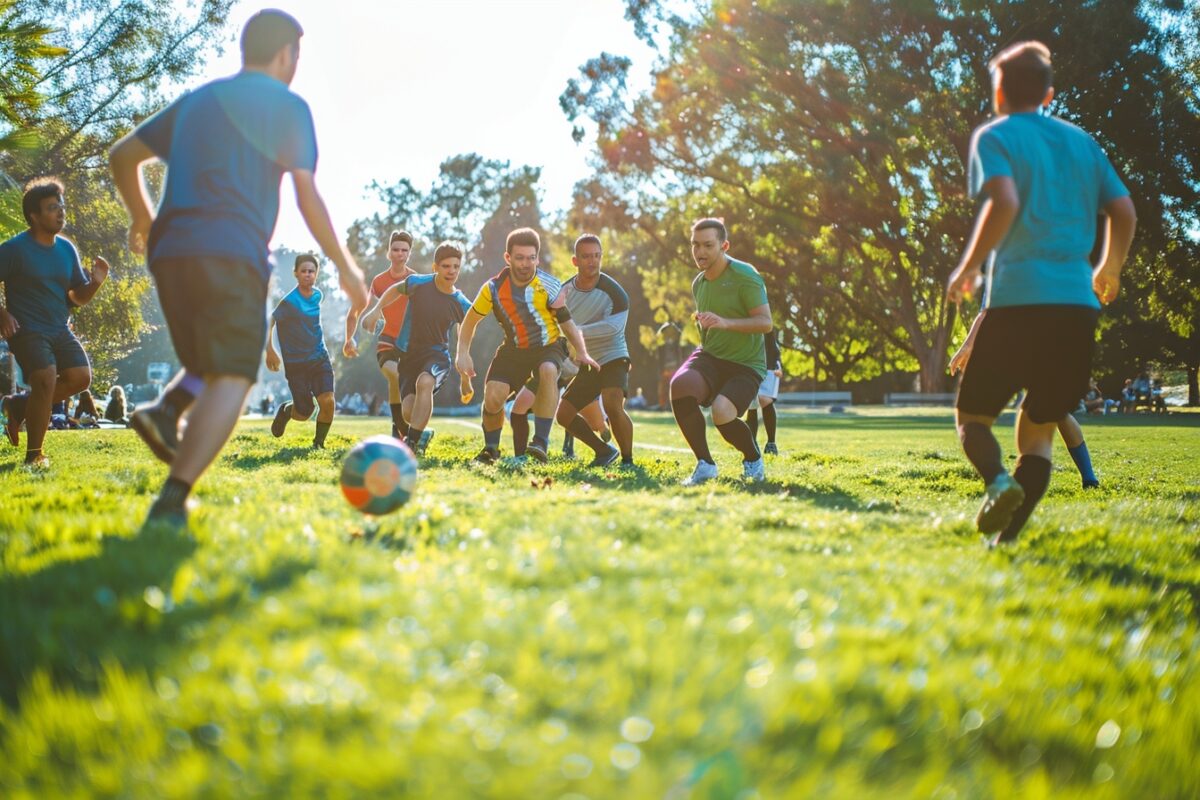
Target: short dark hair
{"type": "Point", "coordinates": [300, 259]}
{"type": "Point", "coordinates": [713, 223]}
{"type": "Point", "coordinates": [1025, 73]}
{"type": "Point", "coordinates": [36, 191]}
{"type": "Point", "coordinates": [522, 237]}
{"type": "Point", "coordinates": [266, 32]}
{"type": "Point", "coordinates": [400, 236]}
{"type": "Point", "coordinates": [587, 238]}
{"type": "Point", "coordinates": [446, 250]}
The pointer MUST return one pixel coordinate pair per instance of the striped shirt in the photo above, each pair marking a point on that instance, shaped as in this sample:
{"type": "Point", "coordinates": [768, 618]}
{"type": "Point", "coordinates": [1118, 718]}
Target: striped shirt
{"type": "Point", "coordinates": [525, 313]}
{"type": "Point", "coordinates": [601, 313]}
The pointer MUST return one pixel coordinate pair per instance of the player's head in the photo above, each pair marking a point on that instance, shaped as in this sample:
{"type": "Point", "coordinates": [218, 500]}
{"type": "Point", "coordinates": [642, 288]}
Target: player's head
{"type": "Point", "coordinates": [588, 255]}
{"type": "Point", "coordinates": [710, 240]}
{"type": "Point", "coordinates": [447, 261]}
{"type": "Point", "coordinates": [305, 269]}
{"type": "Point", "coordinates": [1022, 77]}
{"type": "Point", "coordinates": [399, 248]}
{"type": "Point", "coordinates": [521, 250]}
{"type": "Point", "coordinates": [43, 205]}
{"type": "Point", "coordinates": [271, 43]}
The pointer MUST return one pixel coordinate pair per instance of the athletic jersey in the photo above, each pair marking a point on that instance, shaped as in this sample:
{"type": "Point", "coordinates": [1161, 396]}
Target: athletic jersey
{"type": "Point", "coordinates": [393, 315]}
{"type": "Point", "coordinates": [732, 295]}
{"type": "Point", "coordinates": [298, 320]}
{"type": "Point", "coordinates": [227, 145]}
{"type": "Point", "coordinates": [36, 280]}
{"type": "Point", "coordinates": [1063, 180]}
{"type": "Point", "coordinates": [431, 315]}
{"type": "Point", "coordinates": [601, 313]}
{"type": "Point", "coordinates": [526, 314]}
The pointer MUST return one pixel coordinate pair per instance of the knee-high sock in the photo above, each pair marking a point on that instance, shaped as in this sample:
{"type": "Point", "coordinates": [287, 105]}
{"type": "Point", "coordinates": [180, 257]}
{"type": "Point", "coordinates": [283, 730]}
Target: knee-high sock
{"type": "Point", "coordinates": [398, 424]}
{"type": "Point", "coordinates": [520, 430]}
{"type": "Point", "coordinates": [737, 433]}
{"type": "Point", "coordinates": [322, 431]}
{"type": "Point", "coordinates": [982, 450]}
{"type": "Point", "coordinates": [584, 433]}
{"type": "Point", "coordinates": [541, 430]}
{"type": "Point", "coordinates": [769, 420]}
{"type": "Point", "coordinates": [1033, 473]}
{"type": "Point", "coordinates": [690, 420]}
{"type": "Point", "coordinates": [1083, 462]}
{"type": "Point", "coordinates": [752, 422]}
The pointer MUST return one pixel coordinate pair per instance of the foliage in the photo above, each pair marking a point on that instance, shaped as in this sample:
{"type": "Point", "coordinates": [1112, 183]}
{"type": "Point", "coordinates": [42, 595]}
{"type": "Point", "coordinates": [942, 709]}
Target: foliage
{"type": "Point", "coordinates": [836, 632]}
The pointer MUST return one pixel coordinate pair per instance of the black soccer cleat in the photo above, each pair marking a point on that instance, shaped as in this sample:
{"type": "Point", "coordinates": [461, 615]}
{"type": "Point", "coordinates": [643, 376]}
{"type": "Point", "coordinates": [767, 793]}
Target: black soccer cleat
{"type": "Point", "coordinates": [606, 459]}
{"type": "Point", "coordinates": [282, 415]}
{"type": "Point", "coordinates": [488, 455]}
{"type": "Point", "coordinates": [537, 451]}
{"type": "Point", "coordinates": [158, 428]}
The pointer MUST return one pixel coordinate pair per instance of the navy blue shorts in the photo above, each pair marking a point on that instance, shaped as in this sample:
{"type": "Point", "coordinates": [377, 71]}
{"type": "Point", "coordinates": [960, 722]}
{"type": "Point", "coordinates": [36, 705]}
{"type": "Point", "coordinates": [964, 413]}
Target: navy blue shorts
{"type": "Point", "coordinates": [308, 381]}
{"type": "Point", "coordinates": [434, 360]}
{"type": "Point", "coordinates": [35, 350]}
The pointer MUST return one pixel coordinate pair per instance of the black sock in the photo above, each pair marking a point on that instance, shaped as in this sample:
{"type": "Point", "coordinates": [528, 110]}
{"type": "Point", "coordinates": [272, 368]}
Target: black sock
{"type": "Point", "coordinates": [1033, 473]}
{"type": "Point", "coordinates": [982, 450]}
{"type": "Point", "coordinates": [568, 443]}
{"type": "Point", "coordinates": [399, 426]}
{"type": "Point", "coordinates": [769, 421]}
{"type": "Point", "coordinates": [541, 430]}
{"type": "Point", "coordinates": [584, 433]}
{"type": "Point", "coordinates": [752, 422]}
{"type": "Point", "coordinates": [520, 430]}
{"type": "Point", "coordinates": [690, 420]}
{"type": "Point", "coordinates": [322, 431]}
{"type": "Point", "coordinates": [174, 494]}
{"type": "Point", "coordinates": [413, 438]}
{"type": "Point", "coordinates": [178, 400]}
{"type": "Point", "coordinates": [737, 433]}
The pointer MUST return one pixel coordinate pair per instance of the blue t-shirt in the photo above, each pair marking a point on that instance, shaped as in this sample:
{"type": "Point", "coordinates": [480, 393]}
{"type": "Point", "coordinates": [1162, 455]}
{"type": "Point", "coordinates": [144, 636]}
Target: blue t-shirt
{"type": "Point", "coordinates": [1063, 181]}
{"type": "Point", "coordinates": [36, 280]}
{"type": "Point", "coordinates": [298, 319]}
{"type": "Point", "coordinates": [431, 314]}
{"type": "Point", "coordinates": [227, 145]}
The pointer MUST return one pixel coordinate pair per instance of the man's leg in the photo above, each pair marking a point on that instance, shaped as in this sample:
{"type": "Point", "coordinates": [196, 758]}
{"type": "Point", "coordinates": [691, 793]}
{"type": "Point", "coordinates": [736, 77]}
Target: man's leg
{"type": "Point", "coordinates": [618, 419]}
{"type": "Point", "coordinates": [421, 405]}
{"type": "Point", "coordinates": [518, 418]}
{"type": "Point", "coordinates": [688, 390]}
{"type": "Point", "coordinates": [158, 423]}
{"type": "Point", "coordinates": [769, 419]}
{"type": "Point", "coordinates": [1035, 443]}
{"type": "Point", "coordinates": [545, 403]}
{"type": "Point", "coordinates": [495, 393]}
{"type": "Point", "coordinates": [733, 429]}
{"type": "Point", "coordinates": [326, 407]}
{"type": "Point", "coordinates": [570, 418]}
{"type": "Point", "coordinates": [391, 373]}
{"type": "Point", "coordinates": [1072, 436]}
{"type": "Point", "coordinates": [752, 422]}
{"type": "Point", "coordinates": [42, 383]}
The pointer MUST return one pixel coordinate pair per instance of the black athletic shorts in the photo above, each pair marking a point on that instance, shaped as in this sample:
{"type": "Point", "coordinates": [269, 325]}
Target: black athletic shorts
{"type": "Point", "coordinates": [216, 313]}
{"type": "Point", "coordinates": [35, 350]}
{"type": "Point", "coordinates": [434, 360]}
{"type": "Point", "coordinates": [308, 381]}
{"type": "Point", "coordinates": [1045, 350]}
{"type": "Point", "coordinates": [385, 354]}
{"type": "Point", "coordinates": [589, 383]}
{"type": "Point", "coordinates": [738, 383]}
{"type": "Point", "coordinates": [514, 365]}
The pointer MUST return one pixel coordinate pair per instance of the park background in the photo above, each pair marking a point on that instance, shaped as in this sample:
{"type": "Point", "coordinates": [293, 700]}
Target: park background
{"type": "Point", "coordinates": [830, 136]}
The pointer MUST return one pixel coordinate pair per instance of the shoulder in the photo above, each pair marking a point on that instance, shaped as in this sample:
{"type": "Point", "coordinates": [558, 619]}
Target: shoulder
{"type": "Point", "coordinates": [66, 247]}
{"type": "Point", "coordinates": [614, 290]}
{"type": "Point", "coordinates": [745, 272]}
{"type": "Point", "coordinates": [419, 280]}
{"type": "Point", "coordinates": [995, 129]}
{"type": "Point", "coordinates": [551, 283]}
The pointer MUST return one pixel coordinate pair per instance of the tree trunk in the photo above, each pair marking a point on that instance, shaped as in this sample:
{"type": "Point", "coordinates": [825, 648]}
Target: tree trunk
{"type": "Point", "coordinates": [933, 372]}
{"type": "Point", "coordinates": [1193, 386]}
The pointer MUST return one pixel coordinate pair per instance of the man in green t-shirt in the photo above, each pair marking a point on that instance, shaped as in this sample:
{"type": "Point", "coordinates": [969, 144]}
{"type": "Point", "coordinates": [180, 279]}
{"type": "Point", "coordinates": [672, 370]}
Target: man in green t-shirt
{"type": "Point", "coordinates": [728, 367]}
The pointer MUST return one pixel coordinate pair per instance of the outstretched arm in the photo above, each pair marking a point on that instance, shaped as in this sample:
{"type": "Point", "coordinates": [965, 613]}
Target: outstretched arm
{"type": "Point", "coordinates": [466, 333]}
{"type": "Point", "coordinates": [125, 160]}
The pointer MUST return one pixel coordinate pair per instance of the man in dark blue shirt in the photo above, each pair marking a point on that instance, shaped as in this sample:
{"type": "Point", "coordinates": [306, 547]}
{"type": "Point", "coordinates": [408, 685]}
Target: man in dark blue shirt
{"type": "Point", "coordinates": [42, 280]}
{"type": "Point", "coordinates": [227, 146]}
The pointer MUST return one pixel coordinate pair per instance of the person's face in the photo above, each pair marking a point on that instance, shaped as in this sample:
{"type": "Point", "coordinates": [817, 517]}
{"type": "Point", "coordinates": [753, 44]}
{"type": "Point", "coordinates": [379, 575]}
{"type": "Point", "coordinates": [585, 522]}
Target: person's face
{"type": "Point", "coordinates": [587, 260]}
{"type": "Point", "coordinates": [707, 247]}
{"type": "Point", "coordinates": [51, 215]}
{"type": "Point", "coordinates": [306, 275]}
{"type": "Point", "coordinates": [398, 252]}
{"type": "Point", "coordinates": [448, 269]}
{"type": "Point", "coordinates": [524, 261]}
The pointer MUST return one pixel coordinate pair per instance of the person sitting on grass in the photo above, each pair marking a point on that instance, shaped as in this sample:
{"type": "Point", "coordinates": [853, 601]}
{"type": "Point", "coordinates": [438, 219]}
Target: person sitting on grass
{"type": "Point", "coordinates": [115, 410]}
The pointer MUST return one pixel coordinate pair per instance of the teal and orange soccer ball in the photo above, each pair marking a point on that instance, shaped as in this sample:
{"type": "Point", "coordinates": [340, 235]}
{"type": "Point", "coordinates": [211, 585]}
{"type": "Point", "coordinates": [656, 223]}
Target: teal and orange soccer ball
{"type": "Point", "coordinates": [378, 475]}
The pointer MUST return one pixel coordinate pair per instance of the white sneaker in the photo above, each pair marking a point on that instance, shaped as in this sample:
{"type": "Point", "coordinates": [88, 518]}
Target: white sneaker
{"type": "Point", "coordinates": [704, 473]}
{"type": "Point", "coordinates": [753, 471]}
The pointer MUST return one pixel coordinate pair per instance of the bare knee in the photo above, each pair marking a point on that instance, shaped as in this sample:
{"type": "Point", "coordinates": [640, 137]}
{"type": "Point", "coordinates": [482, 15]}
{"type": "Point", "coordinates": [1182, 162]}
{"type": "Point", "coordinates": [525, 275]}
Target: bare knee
{"type": "Point", "coordinates": [425, 383]}
{"type": "Point", "coordinates": [43, 381]}
{"type": "Point", "coordinates": [723, 410]}
{"type": "Point", "coordinates": [325, 403]}
{"type": "Point", "coordinates": [547, 373]}
{"type": "Point", "coordinates": [566, 413]}
{"type": "Point", "coordinates": [494, 396]}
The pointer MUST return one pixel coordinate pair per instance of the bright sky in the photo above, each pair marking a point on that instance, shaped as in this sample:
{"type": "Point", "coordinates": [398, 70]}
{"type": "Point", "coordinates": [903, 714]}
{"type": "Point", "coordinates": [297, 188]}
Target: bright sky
{"type": "Point", "coordinates": [397, 86]}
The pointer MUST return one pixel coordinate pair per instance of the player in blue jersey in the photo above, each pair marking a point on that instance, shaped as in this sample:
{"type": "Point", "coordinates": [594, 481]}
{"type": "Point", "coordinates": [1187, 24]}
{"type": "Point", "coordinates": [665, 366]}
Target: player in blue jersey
{"type": "Point", "coordinates": [305, 360]}
{"type": "Point", "coordinates": [1042, 182]}
{"type": "Point", "coordinates": [227, 146]}
{"type": "Point", "coordinates": [434, 308]}
{"type": "Point", "coordinates": [43, 280]}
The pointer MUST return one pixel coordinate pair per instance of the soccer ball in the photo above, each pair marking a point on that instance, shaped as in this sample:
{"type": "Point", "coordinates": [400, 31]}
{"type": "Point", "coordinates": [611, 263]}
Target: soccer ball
{"type": "Point", "coordinates": [378, 475]}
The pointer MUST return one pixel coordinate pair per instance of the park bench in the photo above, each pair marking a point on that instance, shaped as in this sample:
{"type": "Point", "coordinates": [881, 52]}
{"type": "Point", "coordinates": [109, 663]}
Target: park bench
{"type": "Point", "coordinates": [919, 399]}
{"type": "Point", "coordinates": [814, 398]}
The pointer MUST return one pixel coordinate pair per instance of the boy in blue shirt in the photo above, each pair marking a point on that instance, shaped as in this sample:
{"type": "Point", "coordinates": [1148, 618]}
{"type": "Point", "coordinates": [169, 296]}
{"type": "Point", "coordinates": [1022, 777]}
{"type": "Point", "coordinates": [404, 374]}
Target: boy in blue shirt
{"type": "Point", "coordinates": [1043, 182]}
{"type": "Point", "coordinates": [305, 359]}
{"type": "Point", "coordinates": [227, 146]}
{"type": "Point", "coordinates": [43, 280]}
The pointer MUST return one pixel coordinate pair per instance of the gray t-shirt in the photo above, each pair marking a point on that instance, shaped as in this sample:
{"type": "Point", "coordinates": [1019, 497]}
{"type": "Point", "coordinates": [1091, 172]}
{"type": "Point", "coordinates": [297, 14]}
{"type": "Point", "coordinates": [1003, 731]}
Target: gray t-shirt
{"type": "Point", "coordinates": [601, 313]}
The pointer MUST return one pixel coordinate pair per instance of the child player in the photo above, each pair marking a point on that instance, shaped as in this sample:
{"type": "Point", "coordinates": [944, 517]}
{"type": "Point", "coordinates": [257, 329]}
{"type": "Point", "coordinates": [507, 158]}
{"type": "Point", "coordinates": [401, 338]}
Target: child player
{"type": "Point", "coordinates": [305, 359]}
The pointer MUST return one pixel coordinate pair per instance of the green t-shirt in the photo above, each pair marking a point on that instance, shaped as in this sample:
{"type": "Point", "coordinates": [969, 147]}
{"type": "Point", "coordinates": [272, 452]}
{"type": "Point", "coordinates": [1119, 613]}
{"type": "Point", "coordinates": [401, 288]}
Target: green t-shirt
{"type": "Point", "coordinates": [732, 295]}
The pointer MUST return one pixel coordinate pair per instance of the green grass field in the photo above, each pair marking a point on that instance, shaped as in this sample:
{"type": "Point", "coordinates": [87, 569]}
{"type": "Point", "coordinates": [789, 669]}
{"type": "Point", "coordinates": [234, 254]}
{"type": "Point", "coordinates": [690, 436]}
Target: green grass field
{"type": "Point", "coordinates": [836, 632]}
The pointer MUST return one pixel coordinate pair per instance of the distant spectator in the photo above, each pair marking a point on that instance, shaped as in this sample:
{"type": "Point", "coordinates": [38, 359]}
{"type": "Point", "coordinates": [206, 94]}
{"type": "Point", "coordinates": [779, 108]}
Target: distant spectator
{"type": "Point", "coordinates": [638, 401]}
{"type": "Point", "coordinates": [1156, 396]}
{"type": "Point", "coordinates": [1128, 397]}
{"type": "Point", "coordinates": [115, 410]}
{"type": "Point", "coordinates": [86, 413]}
{"type": "Point", "coordinates": [1093, 401]}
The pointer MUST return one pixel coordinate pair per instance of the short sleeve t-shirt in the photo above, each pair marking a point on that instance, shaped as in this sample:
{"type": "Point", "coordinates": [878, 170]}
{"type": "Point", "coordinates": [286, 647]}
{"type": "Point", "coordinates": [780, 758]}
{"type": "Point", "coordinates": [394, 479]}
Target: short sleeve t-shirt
{"type": "Point", "coordinates": [1063, 180]}
{"type": "Point", "coordinates": [733, 294]}
{"type": "Point", "coordinates": [601, 314]}
{"type": "Point", "coordinates": [431, 314]}
{"type": "Point", "coordinates": [393, 314]}
{"type": "Point", "coordinates": [527, 313]}
{"type": "Point", "coordinates": [36, 280]}
{"type": "Point", "coordinates": [227, 146]}
{"type": "Point", "coordinates": [298, 319]}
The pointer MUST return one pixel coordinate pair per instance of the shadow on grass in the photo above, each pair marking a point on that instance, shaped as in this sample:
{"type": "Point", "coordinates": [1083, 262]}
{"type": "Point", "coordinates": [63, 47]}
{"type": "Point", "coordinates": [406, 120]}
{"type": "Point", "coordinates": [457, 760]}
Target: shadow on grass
{"type": "Point", "coordinates": [253, 461]}
{"type": "Point", "coordinates": [71, 615]}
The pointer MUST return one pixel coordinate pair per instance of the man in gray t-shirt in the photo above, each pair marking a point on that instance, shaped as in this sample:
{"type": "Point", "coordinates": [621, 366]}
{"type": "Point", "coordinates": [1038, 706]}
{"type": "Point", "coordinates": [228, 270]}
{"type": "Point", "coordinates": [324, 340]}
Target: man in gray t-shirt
{"type": "Point", "coordinates": [600, 307]}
